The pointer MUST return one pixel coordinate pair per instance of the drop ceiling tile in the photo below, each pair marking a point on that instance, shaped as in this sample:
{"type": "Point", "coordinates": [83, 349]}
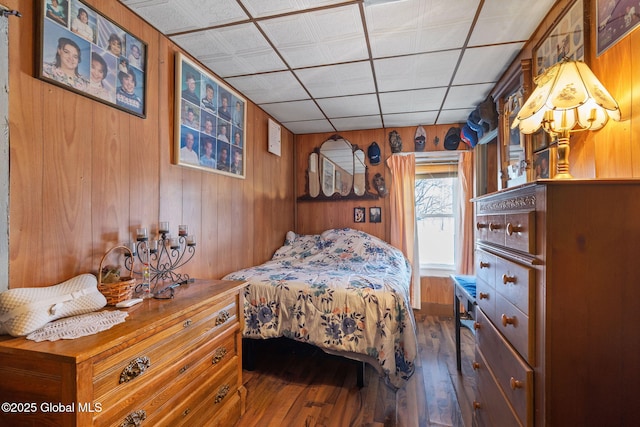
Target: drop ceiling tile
{"type": "Point", "coordinates": [357, 123]}
{"type": "Point", "coordinates": [412, 100]}
{"type": "Point", "coordinates": [486, 64]}
{"type": "Point", "coordinates": [413, 26]}
{"type": "Point", "coordinates": [347, 106]}
{"type": "Point", "coordinates": [454, 117]}
{"type": "Point", "coordinates": [260, 8]}
{"type": "Point", "coordinates": [416, 71]}
{"type": "Point", "coordinates": [501, 22]}
{"type": "Point", "coordinates": [312, 126]}
{"type": "Point", "coordinates": [293, 111]}
{"type": "Point", "coordinates": [320, 37]}
{"type": "Point", "coordinates": [234, 50]}
{"type": "Point", "coordinates": [185, 15]}
{"type": "Point", "coordinates": [270, 87]}
{"type": "Point", "coordinates": [467, 96]}
{"type": "Point", "coordinates": [410, 119]}
{"type": "Point", "coordinates": [338, 80]}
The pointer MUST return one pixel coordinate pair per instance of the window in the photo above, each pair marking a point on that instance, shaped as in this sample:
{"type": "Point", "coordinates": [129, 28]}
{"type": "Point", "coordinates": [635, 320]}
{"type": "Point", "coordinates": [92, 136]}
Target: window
{"type": "Point", "coordinates": [436, 202]}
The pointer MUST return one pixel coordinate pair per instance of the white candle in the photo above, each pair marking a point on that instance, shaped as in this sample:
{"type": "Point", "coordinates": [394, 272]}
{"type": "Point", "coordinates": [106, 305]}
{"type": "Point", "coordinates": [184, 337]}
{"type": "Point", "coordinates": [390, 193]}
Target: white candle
{"type": "Point", "coordinates": [182, 230]}
{"type": "Point", "coordinates": [191, 240]}
{"type": "Point", "coordinates": [164, 227]}
{"type": "Point", "coordinates": [175, 243]}
{"type": "Point", "coordinates": [142, 234]}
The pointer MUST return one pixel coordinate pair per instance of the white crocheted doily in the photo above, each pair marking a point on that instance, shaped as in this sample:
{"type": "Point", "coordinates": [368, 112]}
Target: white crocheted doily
{"type": "Point", "coordinates": [78, 326]}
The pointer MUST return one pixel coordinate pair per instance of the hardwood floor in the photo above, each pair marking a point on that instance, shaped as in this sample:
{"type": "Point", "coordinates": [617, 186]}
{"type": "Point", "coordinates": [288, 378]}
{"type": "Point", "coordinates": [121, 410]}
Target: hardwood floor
{"type": "Point", "coordinates": [299, 385]}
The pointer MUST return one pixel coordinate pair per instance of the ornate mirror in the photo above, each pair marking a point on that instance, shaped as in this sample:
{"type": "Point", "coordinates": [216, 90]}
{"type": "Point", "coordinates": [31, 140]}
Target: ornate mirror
{"type": "Point", "coordinates": [336, 171]}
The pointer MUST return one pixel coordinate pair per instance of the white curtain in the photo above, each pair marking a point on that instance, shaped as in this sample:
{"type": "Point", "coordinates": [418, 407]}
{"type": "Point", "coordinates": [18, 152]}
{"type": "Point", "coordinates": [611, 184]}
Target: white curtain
{"type": "Point", "coordinates": [403, 216]}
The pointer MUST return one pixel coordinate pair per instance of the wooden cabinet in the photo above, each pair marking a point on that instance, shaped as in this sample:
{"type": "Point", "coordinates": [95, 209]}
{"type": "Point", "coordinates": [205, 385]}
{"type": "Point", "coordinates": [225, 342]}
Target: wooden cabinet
{"type": "Point", "coordinates": [172, 362]}
{"type": "Point", "coordinates": [557, 271]}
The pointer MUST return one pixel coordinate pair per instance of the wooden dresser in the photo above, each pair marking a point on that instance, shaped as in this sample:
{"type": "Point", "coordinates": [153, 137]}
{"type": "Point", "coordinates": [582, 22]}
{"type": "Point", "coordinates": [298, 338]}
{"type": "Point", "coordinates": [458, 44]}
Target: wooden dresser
{"type": "Point", "coordinates": [172, 362]}
{"type": "Point", "coordinates": [558, 274]}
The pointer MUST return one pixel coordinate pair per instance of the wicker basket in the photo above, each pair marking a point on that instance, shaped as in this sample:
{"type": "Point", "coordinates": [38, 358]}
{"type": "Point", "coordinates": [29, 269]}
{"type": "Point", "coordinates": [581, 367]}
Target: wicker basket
{"type": "Point", "coordinates": [118, 291]}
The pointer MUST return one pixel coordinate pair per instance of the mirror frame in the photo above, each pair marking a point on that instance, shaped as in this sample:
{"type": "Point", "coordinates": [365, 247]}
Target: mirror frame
{"type": "Point", "coordinates": [368, 195]}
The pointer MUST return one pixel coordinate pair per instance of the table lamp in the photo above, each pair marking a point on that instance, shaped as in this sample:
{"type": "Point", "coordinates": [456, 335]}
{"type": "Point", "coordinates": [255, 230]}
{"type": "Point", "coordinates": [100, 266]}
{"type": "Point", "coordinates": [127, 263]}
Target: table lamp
{"type": "Point", "coordinates": [568, 98]}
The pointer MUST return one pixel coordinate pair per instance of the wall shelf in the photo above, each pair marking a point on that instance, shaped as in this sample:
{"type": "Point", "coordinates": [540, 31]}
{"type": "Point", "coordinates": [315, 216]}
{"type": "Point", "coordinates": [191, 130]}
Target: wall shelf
{"type": "Point", "coordinates": [489, 136]}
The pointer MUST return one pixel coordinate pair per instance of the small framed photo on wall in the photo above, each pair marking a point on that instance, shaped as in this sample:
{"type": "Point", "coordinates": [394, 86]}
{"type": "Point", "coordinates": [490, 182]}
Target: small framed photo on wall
{"type": "Point", "coordinates": [359, 215]}
{"type": "Point", "coordinates": [543, 164]}
{"type": "Point", "coordinates": [375, 214]}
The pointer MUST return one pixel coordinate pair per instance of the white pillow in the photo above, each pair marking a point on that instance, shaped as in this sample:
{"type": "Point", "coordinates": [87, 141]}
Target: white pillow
{"type": "Point", "coordinates": [23, 310]}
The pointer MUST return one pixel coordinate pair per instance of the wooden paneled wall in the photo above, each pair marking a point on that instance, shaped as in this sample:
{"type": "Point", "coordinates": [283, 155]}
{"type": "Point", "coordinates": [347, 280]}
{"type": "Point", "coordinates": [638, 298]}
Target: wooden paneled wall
{"type": "Point", "coordinates": [85, 175]}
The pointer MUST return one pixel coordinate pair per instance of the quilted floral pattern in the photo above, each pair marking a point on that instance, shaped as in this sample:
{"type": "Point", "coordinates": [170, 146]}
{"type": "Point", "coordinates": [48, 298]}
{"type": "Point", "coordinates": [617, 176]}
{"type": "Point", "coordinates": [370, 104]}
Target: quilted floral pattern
{"type": "Point", "coordinates": [343, 290]}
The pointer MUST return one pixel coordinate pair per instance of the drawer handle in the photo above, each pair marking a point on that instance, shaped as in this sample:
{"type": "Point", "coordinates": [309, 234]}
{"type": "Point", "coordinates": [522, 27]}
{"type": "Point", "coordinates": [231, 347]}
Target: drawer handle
{"type": "Point", "coordinates": [483, 295]}
{"type": "Point", "coordinates": [514, 383]}
{"type": "Point", "coordinates": [508, 320]}
{"type": "Point", "coordinates": [508, 279]}
{"type": "Point", "coordinates": [513, 229]}
{"type": "Point", "coordinates": [475, 366]}
{"type": "Point", "coordinates": [494, 227]}
{"type": "Point", "coordinates": [186, 412]}
{"type": "Point", "coordinates": [223, 316]}
{"type": "Point", "coordinates": [184, 369]}
{"type": "Point", "coordinates": [480, 225]}
{"type": "Point", "coordinates": [134, 419]}
{"type": "Point", "coordinates": [476, 325]}
{"type": "Point", "coordinates": [222, 393]}
{"type": "Point", "coordinates": [135, 368]}
{"type": "Point", "coordinates": [187, 323]}
{"type": "Point", "coordinates": [476, 405]}
{"type": "Point", "coordinates": [484, 264]}
{"type": "Point", "coordinates": [218, 355]}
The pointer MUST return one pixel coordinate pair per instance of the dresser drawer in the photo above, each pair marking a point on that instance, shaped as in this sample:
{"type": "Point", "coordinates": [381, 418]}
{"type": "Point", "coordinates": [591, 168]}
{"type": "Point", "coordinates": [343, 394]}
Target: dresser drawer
{"type": "Point", "coordinates": [520, 231]}
{"type": "Point", "coordinates": [209, 357]}
{"type": "Point", "coordinates": [495, 229]}
{"type": "Point", "coordinates": [486, 265]}
{"type": "Point", "coordinates": [491, 407]}
{"type": "Point", "coordinates": [221, 405]}
{"type": "Point", "coordinates": [514, 325]}
{"type": "Point", "coordinates": [486, 298]}
{"type": "Point", "coordinates": [516, 283]}
{"type": "Point", "coordinates": [189, 407]}
{"type": "Point", "coordinates": [490, 228]}
{"type": "Point", "coordinates": [160, 350]}
{"type": "Point", "coordinates": [511, 373]}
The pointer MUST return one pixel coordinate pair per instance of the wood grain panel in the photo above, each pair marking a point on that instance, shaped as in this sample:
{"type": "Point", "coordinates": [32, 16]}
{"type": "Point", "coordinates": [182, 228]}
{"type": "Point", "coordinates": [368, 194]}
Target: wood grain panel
{"type": "Point", "coordinates": [67, 185]}
{"type": "Point", "coordinates": [27, 158]}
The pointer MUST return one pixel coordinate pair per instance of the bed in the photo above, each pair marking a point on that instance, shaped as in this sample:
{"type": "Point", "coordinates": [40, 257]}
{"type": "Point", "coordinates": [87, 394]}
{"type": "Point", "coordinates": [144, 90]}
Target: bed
{"type": "Point", "coordinates": [344, 291]}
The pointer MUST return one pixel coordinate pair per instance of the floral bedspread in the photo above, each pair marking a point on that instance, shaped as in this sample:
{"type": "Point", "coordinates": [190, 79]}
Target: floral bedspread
{"type": "Point", "coordinates": [343, 290]}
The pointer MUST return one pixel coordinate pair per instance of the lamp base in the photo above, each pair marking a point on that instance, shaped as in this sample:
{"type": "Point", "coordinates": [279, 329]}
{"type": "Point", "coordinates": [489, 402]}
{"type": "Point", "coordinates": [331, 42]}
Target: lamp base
{"type": "Point", "coordinates": [562, 165]}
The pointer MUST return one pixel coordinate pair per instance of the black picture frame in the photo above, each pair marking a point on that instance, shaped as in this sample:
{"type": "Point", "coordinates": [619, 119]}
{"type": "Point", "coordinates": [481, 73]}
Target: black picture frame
{"type": "Point", "coordinates": [72, 32]}
{"type": "Point", "coordinates": [214, 115]}
{"type": "Point", "coordinates": [375, 214]}
{"type": "Point", "coordinates": [359, 215]}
